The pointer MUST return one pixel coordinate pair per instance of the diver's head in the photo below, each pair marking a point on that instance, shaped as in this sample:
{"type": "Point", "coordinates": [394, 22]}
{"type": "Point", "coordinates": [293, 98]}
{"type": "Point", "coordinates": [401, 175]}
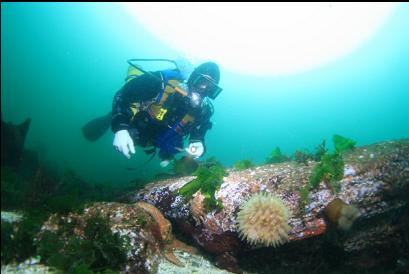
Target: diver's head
{"type": "Point", "coordinates": [204, 81]}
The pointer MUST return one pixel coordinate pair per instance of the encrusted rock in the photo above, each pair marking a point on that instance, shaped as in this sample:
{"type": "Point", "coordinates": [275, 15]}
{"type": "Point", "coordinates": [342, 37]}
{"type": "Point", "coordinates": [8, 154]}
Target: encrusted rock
{"type": "Point", "coordinates": [375, 182]}
{"type": "Point", "coordinates": [147, 232]}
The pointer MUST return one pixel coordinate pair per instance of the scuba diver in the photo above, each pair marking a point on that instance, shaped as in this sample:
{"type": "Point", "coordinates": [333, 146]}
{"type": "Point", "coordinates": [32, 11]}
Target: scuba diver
{"type": "Point", "coordinates": [159, 110]}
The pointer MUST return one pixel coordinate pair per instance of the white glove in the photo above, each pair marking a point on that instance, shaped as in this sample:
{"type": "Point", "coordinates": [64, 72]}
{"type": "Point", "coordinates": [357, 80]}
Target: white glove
{"type": "Point", "coordinates": [195, 149]}
{"type": "Point", "coordinates": [124, 143]}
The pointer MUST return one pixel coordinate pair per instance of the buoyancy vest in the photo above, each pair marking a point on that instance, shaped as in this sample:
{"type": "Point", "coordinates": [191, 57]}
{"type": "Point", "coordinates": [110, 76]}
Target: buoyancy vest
{"type": "Point", "coordinates": [171, 84]}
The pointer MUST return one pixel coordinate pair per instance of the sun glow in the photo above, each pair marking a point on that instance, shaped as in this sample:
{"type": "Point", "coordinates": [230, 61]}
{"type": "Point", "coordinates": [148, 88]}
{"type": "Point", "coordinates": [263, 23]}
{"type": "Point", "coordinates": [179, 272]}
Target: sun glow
{"type": "Point", "coordinates": [263, 38]}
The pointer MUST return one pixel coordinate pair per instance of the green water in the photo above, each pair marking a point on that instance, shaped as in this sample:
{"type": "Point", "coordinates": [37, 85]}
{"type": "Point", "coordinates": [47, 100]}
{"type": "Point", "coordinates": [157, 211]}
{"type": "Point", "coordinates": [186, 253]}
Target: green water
{"type": "Point", "coordinates": [61, 63]}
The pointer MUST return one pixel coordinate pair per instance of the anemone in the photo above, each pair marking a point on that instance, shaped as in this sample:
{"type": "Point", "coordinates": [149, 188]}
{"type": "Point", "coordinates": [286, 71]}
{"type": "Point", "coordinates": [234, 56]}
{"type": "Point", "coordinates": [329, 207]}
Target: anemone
{"type": "Point", "coordinates": [263, 219]}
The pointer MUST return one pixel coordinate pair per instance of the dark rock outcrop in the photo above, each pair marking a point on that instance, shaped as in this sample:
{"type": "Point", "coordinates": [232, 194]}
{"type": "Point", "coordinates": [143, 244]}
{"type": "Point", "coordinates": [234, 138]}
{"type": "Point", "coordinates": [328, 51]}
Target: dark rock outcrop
{"type": "Point", "coordinates": [12, 142]}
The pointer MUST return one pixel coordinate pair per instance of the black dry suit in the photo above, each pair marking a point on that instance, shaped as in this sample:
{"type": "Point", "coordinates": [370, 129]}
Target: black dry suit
{"type": "Point", "coordinates": [156, 115]}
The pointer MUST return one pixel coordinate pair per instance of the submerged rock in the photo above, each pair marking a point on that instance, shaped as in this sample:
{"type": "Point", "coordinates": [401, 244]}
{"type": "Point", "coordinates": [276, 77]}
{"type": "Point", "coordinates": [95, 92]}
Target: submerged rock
{"type": "Point", "coordinates": [12, 142]}
{"type": "Point", "coordinates": [374, 208]}
{"type": "Point", "coordinates": [29, 266]}
{"type": "Point", "coordinates": [146, 234]}
{"type": "Point", "coordinates": [11, 217]}
{"type": "Point", "coordinates": [193, 263]}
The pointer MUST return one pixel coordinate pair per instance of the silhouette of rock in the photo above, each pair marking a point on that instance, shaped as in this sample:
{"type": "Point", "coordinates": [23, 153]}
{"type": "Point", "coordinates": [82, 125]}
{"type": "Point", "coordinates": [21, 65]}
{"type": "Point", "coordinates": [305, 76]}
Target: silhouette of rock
{"type": "Point", "coordinates": [12, 142]}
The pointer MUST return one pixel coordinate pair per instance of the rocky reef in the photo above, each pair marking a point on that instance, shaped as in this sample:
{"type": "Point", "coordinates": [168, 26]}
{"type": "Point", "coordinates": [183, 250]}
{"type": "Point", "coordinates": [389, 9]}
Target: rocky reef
{"type": "Point", "coordinates": [135, 239]}
{"type": "Point", "coordinates": [360, 227]}
{"type": "Point", "coordinates": [342, 212]}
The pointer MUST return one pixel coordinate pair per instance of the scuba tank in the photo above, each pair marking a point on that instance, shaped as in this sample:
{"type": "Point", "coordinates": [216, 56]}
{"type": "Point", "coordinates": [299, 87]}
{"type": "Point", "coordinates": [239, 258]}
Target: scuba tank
{"type": "Point", "coordinates": [96, 128]}
{"type": "Point", "coordinates": [135, 70]}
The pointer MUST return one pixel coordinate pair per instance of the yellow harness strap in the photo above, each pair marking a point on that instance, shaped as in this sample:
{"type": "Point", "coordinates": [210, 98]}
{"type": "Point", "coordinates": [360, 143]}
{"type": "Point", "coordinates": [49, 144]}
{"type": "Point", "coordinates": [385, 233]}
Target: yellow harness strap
{"type": "Point", "coordinates": [156, 110]}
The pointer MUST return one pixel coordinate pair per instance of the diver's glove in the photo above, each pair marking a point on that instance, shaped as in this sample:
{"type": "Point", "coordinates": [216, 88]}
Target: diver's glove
{"type": "Point", "coordinates": [124, 143]}
{"type": "Point", "coordinates": [195, 149]}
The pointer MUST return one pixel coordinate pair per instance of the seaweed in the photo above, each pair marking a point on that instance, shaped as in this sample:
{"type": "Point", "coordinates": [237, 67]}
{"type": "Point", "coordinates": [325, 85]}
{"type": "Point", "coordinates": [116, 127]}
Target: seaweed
{"type": "Point", "coordinates": [17, 242]}
{"type": "Point", "coordinates": [304, 194]}
{"type": "Point", "coordinates": [243, 164]}
{"type": "Point", "coordinates": [342, 143]}
{"type": "Point", "coordinates": [276, 157]}
{"type": "Point", "coordinates": [209, 178]}
{"type": "Point", "coordinates": [97, 250]}
{"type": "Point", "coordinates": [330, 169]}
{"type": "Point", "coordinates": [320, 151]}
{"type": "Point", "coordinates": [302, 157]}
{"type": "Point", "coordinates": [37, 196]}
{"type": "Point", "coordinates": [12, 185]}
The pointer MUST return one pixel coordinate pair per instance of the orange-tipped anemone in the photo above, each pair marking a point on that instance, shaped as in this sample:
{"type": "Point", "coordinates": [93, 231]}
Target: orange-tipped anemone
{"type": "Point", "coordinates": [263, 219]}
